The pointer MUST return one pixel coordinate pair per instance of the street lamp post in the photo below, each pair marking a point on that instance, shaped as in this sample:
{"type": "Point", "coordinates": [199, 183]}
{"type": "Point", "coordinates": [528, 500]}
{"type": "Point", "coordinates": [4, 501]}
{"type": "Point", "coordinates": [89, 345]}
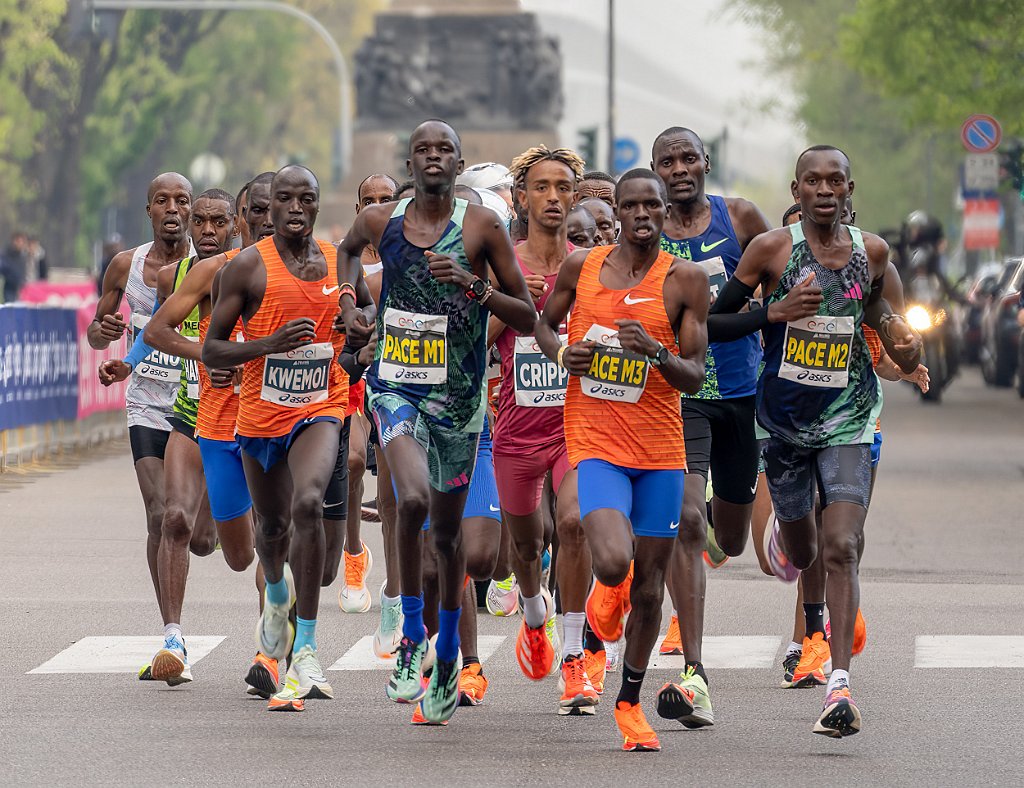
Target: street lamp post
{"type": "Point", "coordinates": [344, 135]}
{"type": "Point", "coordinates": [611, 87]}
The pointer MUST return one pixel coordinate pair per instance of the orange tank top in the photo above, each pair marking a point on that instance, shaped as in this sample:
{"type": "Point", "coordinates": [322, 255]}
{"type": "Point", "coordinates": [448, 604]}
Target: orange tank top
{"type": "Point", "coordinates": [282, 389]}
{"type": "Point", "coordinates": [217, 407]}
{"type": "Point", "coordinates": [626, 413]}
{"type": "Point", "coordinates": [875, 348]}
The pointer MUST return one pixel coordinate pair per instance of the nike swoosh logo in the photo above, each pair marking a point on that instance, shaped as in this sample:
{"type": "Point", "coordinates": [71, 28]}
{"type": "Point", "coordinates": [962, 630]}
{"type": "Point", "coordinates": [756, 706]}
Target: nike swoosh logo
{"type": "Point", "coordinates": [705, 248]}
{"type": "Point", "coordinates": [630, 300]}
{"type": "Point", "coordinates": [494, 508]}
{"type": "Point", "coordinates": [673, 526]}
{"type": "Point", "coordinates": [328, 290]}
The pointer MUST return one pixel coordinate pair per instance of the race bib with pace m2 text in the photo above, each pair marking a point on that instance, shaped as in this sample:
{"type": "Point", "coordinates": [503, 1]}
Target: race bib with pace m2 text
{"type": "Point", "coordinates": [817, 351]}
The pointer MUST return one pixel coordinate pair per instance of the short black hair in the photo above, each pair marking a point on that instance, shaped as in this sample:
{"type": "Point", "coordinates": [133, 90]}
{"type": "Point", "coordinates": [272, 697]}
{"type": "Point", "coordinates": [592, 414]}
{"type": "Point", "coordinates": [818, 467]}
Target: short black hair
{"type": "Point", "coordinates": [364, 181]}
{"type": "Point", "coordinates": [818, 148]}
{"type": "Point", "coordinates": [219, 194]}
{"type": "Point", "coordinates": [406, 186]}
{"type": "Point", "coordinates": [794, 208]}
{"type": "Point", "coordinates": [675, 131]}
{"type": "Point", "coordinates": [597, 175]}
{"type": "Point", "coordinates": [642, 172]}
{"type": "Point", "coordinates": [243, 192]}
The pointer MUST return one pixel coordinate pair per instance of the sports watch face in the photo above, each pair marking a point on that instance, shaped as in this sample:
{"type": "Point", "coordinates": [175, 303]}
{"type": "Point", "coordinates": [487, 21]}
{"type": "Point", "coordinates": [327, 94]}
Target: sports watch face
{"type": "Point", "coordinates": [662, 355]}
{"type": "Point", "coordinates": [477, 288]}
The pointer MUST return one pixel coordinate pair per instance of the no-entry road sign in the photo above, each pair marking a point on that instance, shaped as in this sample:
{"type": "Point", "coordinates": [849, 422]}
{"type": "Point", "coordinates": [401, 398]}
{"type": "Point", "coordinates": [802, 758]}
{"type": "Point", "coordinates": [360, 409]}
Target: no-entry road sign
{"type": "Point", "coordinates": [981, 134]}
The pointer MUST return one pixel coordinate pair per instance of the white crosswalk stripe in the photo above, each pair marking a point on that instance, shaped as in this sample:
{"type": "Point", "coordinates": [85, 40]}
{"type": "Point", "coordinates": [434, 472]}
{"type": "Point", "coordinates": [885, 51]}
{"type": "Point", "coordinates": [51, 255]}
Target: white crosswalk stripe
{"type": "Point", "coordinates": [120, 654]}
{"type": "Point", "coordinates": [727, 651]}
{"type": "Point", "coordinates": [361, 656]}
{"type": "Point", "coordinates": [969, 651]}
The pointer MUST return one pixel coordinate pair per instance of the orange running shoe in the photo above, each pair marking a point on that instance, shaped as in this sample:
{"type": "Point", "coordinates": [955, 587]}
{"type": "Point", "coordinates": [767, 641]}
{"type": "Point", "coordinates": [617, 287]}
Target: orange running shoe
{"type": "Point", "coordinates": [472, 685]}
{"type": "Point", "coordinates": [596, 664]}
{"type": "Point", "coordinates": [673, 642]}
{"type": "Point", "coordinates": [607, 607]}
{"type": "Point", "coordinates": [419, 719]}
{"type": "Point", "coordinates": [578, 693]}
{"type": "Point", "coordinates": [534, 652]}
{"type": "Point", "coordinates": [815, 663]}
{"type": "Point", "coordinates": [354, 597]}
{"type": "Point", "coordinates": [860, 633]}
{"type": "Point", "coordinates": [262, 676]}
{"type": "Point", "coordinates": [637, 735]}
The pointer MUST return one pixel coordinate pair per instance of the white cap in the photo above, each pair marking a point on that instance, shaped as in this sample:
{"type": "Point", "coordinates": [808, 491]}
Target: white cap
{"type": "Point", "coordinates": [488, 175]}
{"type": "Point", "coordinates": [495, 203]}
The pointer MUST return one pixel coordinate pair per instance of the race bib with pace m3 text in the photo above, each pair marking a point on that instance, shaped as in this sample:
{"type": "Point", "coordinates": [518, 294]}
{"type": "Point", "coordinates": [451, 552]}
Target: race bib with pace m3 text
{"type": "Point", "coordinates": [616, 374]}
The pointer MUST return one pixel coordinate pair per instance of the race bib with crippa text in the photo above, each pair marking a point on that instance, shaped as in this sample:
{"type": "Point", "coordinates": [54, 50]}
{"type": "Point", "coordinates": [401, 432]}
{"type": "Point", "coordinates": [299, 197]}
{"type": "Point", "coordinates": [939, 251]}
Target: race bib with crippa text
{"type": "Point", "coordinates": [539, 381]}
{"type": "Point", "coordinates": [157, 365]}
{"type": "Point", "coordinates": [615, 374]}
{"type": "Point", "coordinates": [299, 377]}
{"type": "Point", "coordinates": [415, 348]}
{"type": "Point", "coordinates": [817, 351]}
{"type": "Point", "coordinates": [714, 267]}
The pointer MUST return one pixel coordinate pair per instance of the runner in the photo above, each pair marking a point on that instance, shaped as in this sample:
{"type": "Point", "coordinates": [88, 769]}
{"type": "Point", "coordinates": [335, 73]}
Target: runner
{"type": "Point", "coordinates": [293, 399]}
{"type": "Point", "coordinates": [604, 216]}
{"type": "Point", "coordinates": [582, 228]}
{"type": "Point", "coordinates": [491, 176]}
{"type": "Point", "coordinates": [431, 328]}
{"type": "Point", "coordinates": [598, 185]}
{"type": "Point", "coordinates": [153, 385]}
{"type": "Point", "coordinates": [818, 397]}
{"type": "Point", "coordinates": [242, 225]}
{"type": "Point", "coordinates": [636, 338]}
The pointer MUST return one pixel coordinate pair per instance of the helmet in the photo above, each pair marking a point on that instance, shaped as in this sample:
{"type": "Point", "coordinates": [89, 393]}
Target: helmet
{"type": "Point", "coordinates": [488, 175]}
{"type": "Point", "coordinates": [921, 228]}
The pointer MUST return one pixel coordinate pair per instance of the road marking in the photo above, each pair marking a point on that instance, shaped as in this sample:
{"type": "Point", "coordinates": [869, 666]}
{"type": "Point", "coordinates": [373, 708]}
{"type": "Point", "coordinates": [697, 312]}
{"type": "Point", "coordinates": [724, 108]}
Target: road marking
{"type": "Point", "coordinates": [121, 654]}
{"type": "Point", "coordinates": [969, 651]}
{"type": "Point", "coordinates": [727, 651]}
{"type": "Point", "coordinates": [361, 656]}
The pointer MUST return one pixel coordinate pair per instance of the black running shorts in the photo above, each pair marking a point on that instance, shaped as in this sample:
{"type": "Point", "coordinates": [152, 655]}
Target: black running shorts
{"type": "Point", "coordinates": [838, 473]}
{"type": "Point", "coordinates": [719, 435]}
{"type": "Point", "coordinates": [147, 442]}
{"type": "Point", "coordinates": [336, 496]}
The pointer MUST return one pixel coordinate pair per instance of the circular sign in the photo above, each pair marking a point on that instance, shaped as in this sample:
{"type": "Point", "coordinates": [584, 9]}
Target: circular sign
{"type": "Point", "coordinates": [981, 134]}
{"type": "Point", "coordinates": [627, 153]}
{"type": "Point", "coordinates": [208, 169]}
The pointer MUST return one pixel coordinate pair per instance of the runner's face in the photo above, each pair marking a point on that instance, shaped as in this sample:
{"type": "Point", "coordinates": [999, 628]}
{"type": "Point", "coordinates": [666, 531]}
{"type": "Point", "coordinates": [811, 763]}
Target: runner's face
{"type": "Point", "coordinates": [294, 204]}
{"type": "Point", "coordinates": [434, 158]}
{"type": "Point", "coordinates": [681, 165]}
{"type": "Point", "coordinates": [374, 192]}
{"type": "Point", "coordinates": [600, 190]}
{"type": "Point", "coordinates": [212, 226]}
{"type": "Point", "coordinates": [605, 218]}
{"type": "Point", "coordinates": [549, 194]}
{"type": "Point", "coordinates": [257, 214]}
{"type": "Point", "coordinates": [642, 211]}
{"type": "Point", "coordinates": [582, 229]}
{"type": "Point", "coordinates": [822, 186]}
{"type": "Point", "coordinates": [170, 209]}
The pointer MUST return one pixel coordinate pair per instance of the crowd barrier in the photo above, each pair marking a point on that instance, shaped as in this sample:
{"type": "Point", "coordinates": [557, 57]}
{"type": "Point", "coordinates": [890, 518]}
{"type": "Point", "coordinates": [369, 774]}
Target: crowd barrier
{"type": "Point", "coordinates": [50, 397]}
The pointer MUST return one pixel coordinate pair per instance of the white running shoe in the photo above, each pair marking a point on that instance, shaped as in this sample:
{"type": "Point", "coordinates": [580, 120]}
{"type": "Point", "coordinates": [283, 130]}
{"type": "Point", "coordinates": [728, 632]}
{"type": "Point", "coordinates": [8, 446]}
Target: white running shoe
{"type": "Point", "coordinates": [389, 631]}
{"type": "Point", "coordinates": [503, 597]}
{"type": "Point", "coordinates": [614, 653]}
{"type": "Point", "coordinates": [274, 632]}
{"type": "Point", "coordinates": [354, 596]}
{"type": "Point", "coordinates": [306, 678]}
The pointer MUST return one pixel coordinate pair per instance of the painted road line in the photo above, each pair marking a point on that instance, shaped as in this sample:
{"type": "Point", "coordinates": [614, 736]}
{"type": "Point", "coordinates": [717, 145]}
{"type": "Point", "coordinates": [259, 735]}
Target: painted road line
{"type": "Point", "coordinates": [361, 656]}
{"type": "Point", "coordinates": [969, 651]}
{"type": "Point", "coordinates": [118, 654]}
{"type": "Point", "coordinates": [727, 651]}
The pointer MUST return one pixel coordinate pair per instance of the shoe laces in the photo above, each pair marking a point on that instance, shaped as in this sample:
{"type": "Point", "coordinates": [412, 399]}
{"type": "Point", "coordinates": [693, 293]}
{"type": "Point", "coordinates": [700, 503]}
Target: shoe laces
{"type": "Point", "coordinates": [575, 670]}
{"type": "Point", "coordinates": [444, 673]}
{"type": "Point", "coordinates": [354, 565]}
{"type": "Point", "coordinates": [390, 615]}
{"type": "Point", "coordinates": [505, 586]}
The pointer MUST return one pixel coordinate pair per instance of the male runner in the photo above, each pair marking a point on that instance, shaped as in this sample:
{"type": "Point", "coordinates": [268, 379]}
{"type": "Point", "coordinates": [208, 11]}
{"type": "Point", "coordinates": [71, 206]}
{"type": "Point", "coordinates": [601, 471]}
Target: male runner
{"type": "Point", "coordinates": [581, 228]}
{"type": "Point", "coordinates": [818, 397]}
{"type": "Point", "coordinates": [292, 402]}
{"type": "Point", "coordinates": [240, 222]}
{"type": "Point", "coordinates": [425, 386]}
{"type": "Point", "coordinates": [604, 216]}
{"type": "Point", "coordinates": [637, 336]}
{"type": "Point", "coordinates": [597, 185]}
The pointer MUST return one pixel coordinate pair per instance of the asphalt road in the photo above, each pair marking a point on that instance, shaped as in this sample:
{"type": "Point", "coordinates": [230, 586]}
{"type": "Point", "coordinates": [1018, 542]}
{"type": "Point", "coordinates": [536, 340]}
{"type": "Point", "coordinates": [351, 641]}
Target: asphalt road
{"type": "Point", "coordinates": [944, 558]}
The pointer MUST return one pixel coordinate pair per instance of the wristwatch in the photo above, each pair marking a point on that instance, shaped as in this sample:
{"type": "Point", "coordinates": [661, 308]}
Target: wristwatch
{"type": "Point", "coordinates": [660, 357]}
{"type": "Point", "coordinates": [476, 289]}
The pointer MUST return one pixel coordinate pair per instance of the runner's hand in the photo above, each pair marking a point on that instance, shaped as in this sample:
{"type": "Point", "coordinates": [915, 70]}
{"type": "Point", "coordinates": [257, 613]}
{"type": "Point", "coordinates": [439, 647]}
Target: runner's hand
{"type": "Point", "coordinates": [112, 327]}
{"type": "Point", "coordinates": [114, 370]}
{"type": "Point", "coordinates": [356, 326]}
{"type": "Point", "coordinates": [365, 355]}
{"type": "Point", "coordinates": [536, 285]}
{"type": "Point", "coordinates": [577, 358]}
{"type": "Point", "coordinates": [634, 338]}
{"type": "Point", "coordinates": [222, 378]}
{"type": "Point", "coordinates": [801, 301]}
{"type": "Point", "coordinates": [919, 377]}
{"type": "Point", "coordinates": [293, 334]}
{"type": "Point", "coordinates": [445, 269]}
{"type": "Point", "coordinates": [904, 338]}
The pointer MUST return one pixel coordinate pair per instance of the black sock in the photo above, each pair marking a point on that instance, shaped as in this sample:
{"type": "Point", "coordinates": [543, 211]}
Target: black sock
{"type": "Point", "coordinates": [814, 618]}
{"type": "Point", "coordinates": [698, 668]}
{"type": "Point", "coordinates": [592, 642]}
{"type": "Point", "coordinates": [631, 681]}
{"type": "Point", "coordinates": [467, 661]}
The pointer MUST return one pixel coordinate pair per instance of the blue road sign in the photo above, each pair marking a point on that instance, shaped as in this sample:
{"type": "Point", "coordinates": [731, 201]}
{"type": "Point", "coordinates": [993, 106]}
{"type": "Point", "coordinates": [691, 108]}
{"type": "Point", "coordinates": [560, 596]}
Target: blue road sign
{"type": "Point", "coordinates": [627, 153]}
{"type": "Point", "coordinates": [981, 134]}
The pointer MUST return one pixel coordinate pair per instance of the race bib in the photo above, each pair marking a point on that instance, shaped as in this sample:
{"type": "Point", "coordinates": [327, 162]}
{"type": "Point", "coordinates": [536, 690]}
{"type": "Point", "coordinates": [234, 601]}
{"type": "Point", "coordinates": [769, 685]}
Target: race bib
{"type": "Point", "coordinates": [817, 351]}
{"type": "Point", "coordinates": [615, 374]}
{"type": "Point", "coordinates": [415, 348]}
{"type": "Point", "coordinates": [299, 377]}
{"type": "Point", "coordinates": [157, 365]}
{"type": "Point", "coordinates": [191, 367]}
{"type": "Point", "coordinates": [539, 381]}
{"type": "Point", "coordinates": [714, 267]}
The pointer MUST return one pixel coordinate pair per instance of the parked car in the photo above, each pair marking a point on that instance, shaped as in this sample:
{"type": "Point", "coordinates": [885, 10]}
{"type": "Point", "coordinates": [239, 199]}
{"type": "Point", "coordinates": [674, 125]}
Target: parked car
{"type": "Point", "coordinates": [980, 292]}
{"type": "Point", "coordinates": [1000, 333]}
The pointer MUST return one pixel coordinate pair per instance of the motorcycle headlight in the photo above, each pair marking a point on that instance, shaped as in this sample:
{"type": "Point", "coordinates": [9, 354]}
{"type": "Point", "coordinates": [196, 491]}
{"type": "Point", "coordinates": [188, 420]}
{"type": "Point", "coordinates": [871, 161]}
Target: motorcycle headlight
{"type": "Point", "coordinates": [919, 318]}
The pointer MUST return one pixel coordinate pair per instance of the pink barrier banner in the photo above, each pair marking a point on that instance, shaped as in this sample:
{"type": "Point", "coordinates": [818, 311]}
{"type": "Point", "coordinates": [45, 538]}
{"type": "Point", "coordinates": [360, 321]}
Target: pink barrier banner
{"type": "Point", "coordinates": [70, 294]}
{"type": "Point", "coordinates": [93, 396]}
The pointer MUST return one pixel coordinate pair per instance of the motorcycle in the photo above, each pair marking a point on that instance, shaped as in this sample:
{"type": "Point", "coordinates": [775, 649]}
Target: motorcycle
{"type": "Point", "coordinates": [931, 315]}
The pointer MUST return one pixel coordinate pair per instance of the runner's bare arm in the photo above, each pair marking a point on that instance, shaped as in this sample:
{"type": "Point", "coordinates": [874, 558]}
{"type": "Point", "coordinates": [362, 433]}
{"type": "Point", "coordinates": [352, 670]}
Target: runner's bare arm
{"type": "Point", "coordinates": [161, 331]}
{"type": "Point", "coordinates": [687, 298]}
{"type": "Point", "coordinates": [747, 220]}
{"type": "Point", "coordinates": [108, 325]}
{"type": "Point", "coordinates": [557, 307]}
{"type": "Point", "coordinates": [367, 228]}
{"type": "Point", "coordinates": [510, 302]}
{"type": "Point", "coordinates": [902, 344]}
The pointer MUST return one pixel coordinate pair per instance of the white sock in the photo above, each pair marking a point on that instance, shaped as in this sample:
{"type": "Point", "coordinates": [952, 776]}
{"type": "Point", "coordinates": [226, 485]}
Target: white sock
{"type": "Point", "coordinates": [172, 629]}
{"type": "Point", "coordinates": [795, 648]}
{"type": "Point", "coordinates": [535, 610]}
{"type": "Point", "coordinates": [837, 677]}
{"type": "Point", "coordinates": [389, 601]}
{"type": "Point", "coordinates": [572, 633]}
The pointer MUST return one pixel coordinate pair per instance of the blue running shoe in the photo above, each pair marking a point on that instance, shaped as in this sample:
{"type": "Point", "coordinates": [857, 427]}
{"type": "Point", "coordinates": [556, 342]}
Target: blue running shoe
{"type": "Point", "coordinates": [171, 661]}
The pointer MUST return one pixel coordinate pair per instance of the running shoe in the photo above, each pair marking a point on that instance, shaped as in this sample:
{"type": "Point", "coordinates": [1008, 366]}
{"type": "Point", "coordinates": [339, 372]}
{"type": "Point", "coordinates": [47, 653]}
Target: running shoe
{"type": "Point", "coordinates": [184, 678]}
{"type": "Point", "coordinates": [673, 642]}
{"type": "Point", "coordinates": [262, 677]}
{"type": "Point", "coordinates": [551, 631]}
{"type": "Point", "coordinates": [419, 719]}
{"type": "Point", "coordinates": [614, 655]}
{"type": "Point", "coordinates": [596, 663]}
{"type": "Point", "coordinates": [354, 596]}
{"type": "Point", "coordinates": [389, 630]}
{"type": "Point", "coordinates": [687, 702]}
{"type": "Point", "coordinates": [274, 631]}
{"type": "Point", "coordinates": [368, 511]}
{"type": "Point", "coordinates": [815, 664]}
{"type": "Point", "coordinates": [789, 663]}
{"type": "Point", "coordinates": [714, 556]}
{"type": "Point", "coordinates": [146, 672]}
{"type": "Point", "coordinates": [442, 696]}
{"type": "Point", "coordinates": [170, 661]}
{"type": "Point", "coordinates": [839, 716]}
{"type": "Point", "coordinates": [405, 685]}
{"type": "Point", "coordinates": [472, 685]}
{"type": "Point", "coordinates": [534, 650]}
{"type": "Point", "coordinates": [287, 698]}
{"type": "Point", "coordinates": [860, 633]}
{"type": "Point", "coordinates": [503, 597]}
{"type": "Point", "coordinates": [578, 693]}
{"type": "Point", "coordinates": [637, 735]}
{"type": "Point", "coordinates": [780, 565]}
{"type": "Point", "coordinates": [309, 678]}
{"type": "Point", "coordinates": [607, 607]}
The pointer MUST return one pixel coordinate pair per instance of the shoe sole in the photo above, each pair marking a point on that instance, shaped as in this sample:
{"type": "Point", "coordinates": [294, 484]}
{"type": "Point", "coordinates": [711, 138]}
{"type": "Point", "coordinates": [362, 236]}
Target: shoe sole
{"type": "Point", "coordinates": [146, 673]}
{"type": "Point", "coordinates": [392, 693]}
{"type": "Point", "coordinates": [673, 703]}
{"type": "Point", "coordinates": [381, 654]}
{"type": "Point", "coordinates": [260, 679]}
{"type": "Point", "coordinates": [577, 711]}
{"type": "Point", "coordinates": [317, 692]}
{"type": "Point", "coordinates": [672, 652]}
{"type": "Point", "coordinates": [465, 699]}
{"type": "Point", "coordinates": [838, 720]}
{"type": "Point", "coordinates": [701, 718]}
{"type": "Point", "coordinates": [638, 746]}
{"type": "Point", "coordinates": [580, 704]}
{"type": "Point", "coordinates": [166, 666]}
{"type": "Point", "coordinates": [808, 681]}
{"type": "Point", "coordinates": [291, 705]}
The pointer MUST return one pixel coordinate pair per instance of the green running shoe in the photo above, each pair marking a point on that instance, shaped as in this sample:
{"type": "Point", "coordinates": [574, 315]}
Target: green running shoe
{"type": "Point", "coordinates": [688, 702]}
{"type": "Point", "coordinates": [405, 686]}
{"type": "Point", "coordinates": [442, 696]}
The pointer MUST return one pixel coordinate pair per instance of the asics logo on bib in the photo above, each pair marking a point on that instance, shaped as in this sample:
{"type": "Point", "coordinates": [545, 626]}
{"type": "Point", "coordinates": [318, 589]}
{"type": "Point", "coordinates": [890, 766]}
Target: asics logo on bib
{"type": "Point", "coordinates": [328, 290]}
{"type": "Point", "coordinates": [630, 300]}
{"type": "Point", "coordinates": [705, 248]}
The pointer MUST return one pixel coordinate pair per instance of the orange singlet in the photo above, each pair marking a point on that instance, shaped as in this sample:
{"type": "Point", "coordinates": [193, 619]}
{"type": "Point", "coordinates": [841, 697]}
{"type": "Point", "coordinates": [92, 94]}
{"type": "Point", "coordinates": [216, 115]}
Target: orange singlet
{"type": "Point", "coordinates": [217, 407]}
{"type": "Point", "coordinates": [645, 434]}
{"type": "Point", "coordinates": [282, 389]}
{"type": "Point", "coordinates": [874, 344]}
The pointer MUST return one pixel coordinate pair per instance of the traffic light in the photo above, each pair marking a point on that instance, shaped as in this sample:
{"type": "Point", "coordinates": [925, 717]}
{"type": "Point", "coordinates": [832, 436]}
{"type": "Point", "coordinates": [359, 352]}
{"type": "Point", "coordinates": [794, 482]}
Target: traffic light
{"type": "Point", "coordinates": [1011, 164]}
{"type": "Point", "coordinates": [587, 147]}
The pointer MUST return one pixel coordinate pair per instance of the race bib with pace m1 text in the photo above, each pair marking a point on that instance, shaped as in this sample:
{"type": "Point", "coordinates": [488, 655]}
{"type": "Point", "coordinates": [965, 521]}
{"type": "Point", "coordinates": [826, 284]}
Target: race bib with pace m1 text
{"type": "Point", "coordinates": [817, 351]}
{"type": "Point", "coordinates": [415, 348]}
{"type": "Point", "coordinates": [616, 374]}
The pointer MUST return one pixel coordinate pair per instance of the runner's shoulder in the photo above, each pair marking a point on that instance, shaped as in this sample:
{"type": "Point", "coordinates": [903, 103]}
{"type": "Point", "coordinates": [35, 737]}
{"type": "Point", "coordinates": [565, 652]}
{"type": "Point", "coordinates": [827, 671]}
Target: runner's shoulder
{"type": "Point", "coordinates": [573, 263]}
{"type": "Point", "coordinates": [876, 247]}
{"type": "Point", "coordinates": [121, 263]}
{"type": "Point", "coordinates": [688, 273]}
{"type": "Point", "coordinates": [748, 220]}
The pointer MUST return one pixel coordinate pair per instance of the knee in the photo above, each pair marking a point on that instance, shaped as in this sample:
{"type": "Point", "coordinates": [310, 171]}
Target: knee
{"type": "Point", "coordinates": [445, 540]}
{"type": "Point", "coordinates": [412, 509]}
{"type": "Point", "coordinates": [570, 532]}
{"type": "Point", "coordinates": [273, 527]}
{"type": "Point", "coordinates": [176, 526]}
{"type": "Point", "coordinates": [611, 565]}
{"type": "Point", "coordinates": [307, 510]}
{"type": "Point", "coordinates": [693, 527]}
{"type": "Point", "coordinates": [841, 553]}
{"type": "Point", "coordinates": [238, 560]}
{"type": "Point", "coordinates": [155, 523]}
{"type": "Point", "coordinates": [356, 465]}
{"type": "Point", "coordinates": [481, 562]}
{"type": "Point", "coordinates": [528, 549]}
{"type": "Point", "coordinates": [801, 554]}
{"type": "Point", "coordinates": [203, 545]}
{"type": "Point", "coordinates": [646, 597]}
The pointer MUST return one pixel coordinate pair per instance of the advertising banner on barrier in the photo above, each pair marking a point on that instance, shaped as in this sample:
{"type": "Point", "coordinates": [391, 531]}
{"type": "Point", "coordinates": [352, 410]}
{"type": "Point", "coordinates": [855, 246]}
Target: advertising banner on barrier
{"type": "Point", "coordinates": [38, 365]}
{"type": "Point", "coordinates": [94, 397]}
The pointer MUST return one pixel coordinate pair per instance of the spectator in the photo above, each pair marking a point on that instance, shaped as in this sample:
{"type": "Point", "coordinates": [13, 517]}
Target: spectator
{"type": "Point", "coordinates": [111, 247]}
{"type": "Point", "coordinates": [14, 265]}
{"type": "Point", "coordinates": [37, 268]}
